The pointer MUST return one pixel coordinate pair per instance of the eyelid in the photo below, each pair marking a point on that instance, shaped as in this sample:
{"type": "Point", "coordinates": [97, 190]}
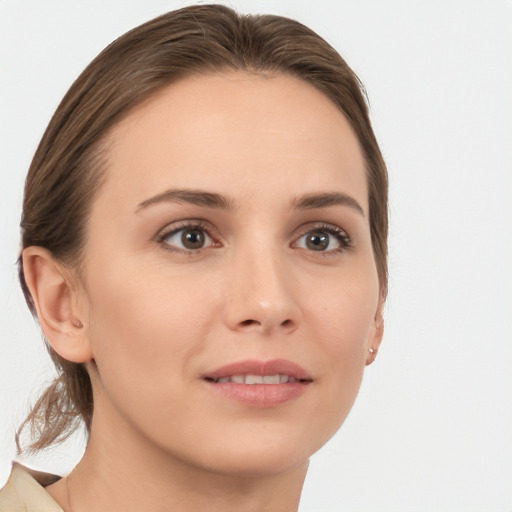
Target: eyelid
{"type": "Point", "coordinates": [180, 225]}
{"type": "Point", "coordinates": [340, 233]}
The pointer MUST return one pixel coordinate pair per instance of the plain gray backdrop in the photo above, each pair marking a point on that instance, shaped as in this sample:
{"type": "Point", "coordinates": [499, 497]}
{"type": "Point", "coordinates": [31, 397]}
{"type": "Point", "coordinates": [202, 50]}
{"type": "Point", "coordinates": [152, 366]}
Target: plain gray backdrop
{"type": "Point", "coordinates": [432, 427]}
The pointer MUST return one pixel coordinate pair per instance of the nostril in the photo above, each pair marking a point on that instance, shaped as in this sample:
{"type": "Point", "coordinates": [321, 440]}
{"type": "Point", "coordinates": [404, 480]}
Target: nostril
{"type": "Point", "coordinates": [266, 325]}
{"type": "Point", "coordinates": [249, 322]}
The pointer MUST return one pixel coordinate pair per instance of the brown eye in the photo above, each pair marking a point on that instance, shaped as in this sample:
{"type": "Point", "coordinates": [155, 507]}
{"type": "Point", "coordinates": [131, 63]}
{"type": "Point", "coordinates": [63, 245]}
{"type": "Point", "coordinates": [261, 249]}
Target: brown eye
{"type": "Point", "coordinates": [329, 239]}
{"type": "Point", "coordinates": [190, 238]}
{"type": "Point", "coordinates": [317, 240]}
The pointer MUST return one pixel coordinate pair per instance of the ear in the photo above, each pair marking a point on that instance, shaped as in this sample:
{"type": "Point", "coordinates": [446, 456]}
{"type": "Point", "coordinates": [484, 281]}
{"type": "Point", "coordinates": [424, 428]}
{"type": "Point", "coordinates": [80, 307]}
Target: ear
{"type": "Point", "coordinates": [377, 332]}
{"type": "Point", "coordinates": [57, 301]}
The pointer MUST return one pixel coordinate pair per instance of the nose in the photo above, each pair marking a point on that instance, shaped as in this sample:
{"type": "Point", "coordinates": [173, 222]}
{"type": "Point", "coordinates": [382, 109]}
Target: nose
{"type": "Point", "coordinates": [262, 297]}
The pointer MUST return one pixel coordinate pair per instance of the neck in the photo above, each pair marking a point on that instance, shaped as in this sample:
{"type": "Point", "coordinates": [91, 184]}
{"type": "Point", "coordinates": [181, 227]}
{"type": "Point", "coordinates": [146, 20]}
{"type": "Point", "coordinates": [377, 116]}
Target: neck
{"type": "Point", "coordinates": [122, 471]}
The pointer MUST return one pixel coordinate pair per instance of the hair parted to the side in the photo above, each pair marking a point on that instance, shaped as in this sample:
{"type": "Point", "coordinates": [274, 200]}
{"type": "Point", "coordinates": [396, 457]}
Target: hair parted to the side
{"type": "Point", "coordinates": [68, 167]}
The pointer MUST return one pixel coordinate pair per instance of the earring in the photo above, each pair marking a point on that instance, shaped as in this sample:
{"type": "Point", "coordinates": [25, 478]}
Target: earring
{"type": "Point", "coordinates": [373, 354]}
{"type": "Point", "coordinates": [77, 323]}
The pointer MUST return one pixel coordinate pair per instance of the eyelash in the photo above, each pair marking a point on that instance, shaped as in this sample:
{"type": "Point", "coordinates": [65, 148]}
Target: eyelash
{"type": "Point", "coordinates": [182, 226]}
{"type": "Point", "coordinates": [340, 234]}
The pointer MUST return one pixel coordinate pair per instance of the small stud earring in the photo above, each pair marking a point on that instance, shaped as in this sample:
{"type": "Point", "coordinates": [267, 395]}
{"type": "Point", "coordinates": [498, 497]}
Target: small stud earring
{"type": "Point", "coordinates": [77, 323]}
{"type": "Point", "coordinates": [373, 354]}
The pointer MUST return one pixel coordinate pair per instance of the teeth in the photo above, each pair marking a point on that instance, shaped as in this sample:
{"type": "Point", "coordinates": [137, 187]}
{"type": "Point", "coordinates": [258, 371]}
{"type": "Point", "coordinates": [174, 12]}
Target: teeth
{"type": "Point", "coordinates": [254, 379]}
{"type": "Point", "coordinates": [257, 379]}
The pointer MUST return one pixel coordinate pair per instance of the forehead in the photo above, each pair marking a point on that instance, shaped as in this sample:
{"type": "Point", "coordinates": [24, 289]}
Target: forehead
{"type": "Point", "coordinates": [225, 131]}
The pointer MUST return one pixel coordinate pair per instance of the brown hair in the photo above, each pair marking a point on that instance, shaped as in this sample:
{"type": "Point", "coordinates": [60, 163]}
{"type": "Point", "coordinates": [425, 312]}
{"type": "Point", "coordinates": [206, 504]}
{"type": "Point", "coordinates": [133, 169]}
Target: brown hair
{"type": "Point", "coordinates": [67, 168]}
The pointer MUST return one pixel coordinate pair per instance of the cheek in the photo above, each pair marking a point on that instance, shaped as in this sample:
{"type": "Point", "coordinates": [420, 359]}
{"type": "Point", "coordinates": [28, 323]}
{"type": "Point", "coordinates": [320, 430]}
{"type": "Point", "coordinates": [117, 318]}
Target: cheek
{"type": "Point", "coordinates": [144, 327]}
{"type": "Point", "coordinates": [342, 312]}
{"type": "Point", "coordinates": [341, 317]}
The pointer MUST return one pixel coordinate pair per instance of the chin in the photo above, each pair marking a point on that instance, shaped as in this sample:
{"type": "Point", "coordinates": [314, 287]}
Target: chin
{"type": "Point", "coordinates": [263, 450]}
{"type": "Point", "coordinates": [255, 462]}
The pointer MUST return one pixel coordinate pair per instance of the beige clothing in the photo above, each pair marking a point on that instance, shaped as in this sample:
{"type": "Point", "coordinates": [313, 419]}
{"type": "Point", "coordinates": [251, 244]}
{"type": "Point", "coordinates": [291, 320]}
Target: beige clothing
{"type": "Point", "coordinates": [24, 492]}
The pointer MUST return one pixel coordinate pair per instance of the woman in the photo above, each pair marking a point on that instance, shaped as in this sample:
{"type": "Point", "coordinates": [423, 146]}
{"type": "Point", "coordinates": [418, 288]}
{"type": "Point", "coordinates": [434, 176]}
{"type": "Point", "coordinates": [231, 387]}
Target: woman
{"type": "Point", "coordinates": [204, 246]}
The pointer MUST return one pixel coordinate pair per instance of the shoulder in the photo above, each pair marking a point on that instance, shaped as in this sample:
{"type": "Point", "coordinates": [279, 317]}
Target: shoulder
{"type": "Point", "coordinates": [24, 491]}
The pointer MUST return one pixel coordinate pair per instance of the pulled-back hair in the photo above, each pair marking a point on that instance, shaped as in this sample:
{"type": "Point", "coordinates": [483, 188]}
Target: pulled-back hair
{"type": "Point", "coordinates": [68, 167]}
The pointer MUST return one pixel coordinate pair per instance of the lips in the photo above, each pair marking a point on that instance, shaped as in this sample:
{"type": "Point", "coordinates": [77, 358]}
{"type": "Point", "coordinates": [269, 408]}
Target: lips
{"type": "Point", "coordinates": [259, 383]}
{"type": "Point", "coordinates": [260, 368]}
{"type": "Point", "coordinates": [252, 379]}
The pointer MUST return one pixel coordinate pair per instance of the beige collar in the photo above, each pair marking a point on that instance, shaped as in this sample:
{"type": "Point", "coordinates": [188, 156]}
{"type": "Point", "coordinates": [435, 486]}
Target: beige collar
{"type": "Point", "coordinates": [24, 491]}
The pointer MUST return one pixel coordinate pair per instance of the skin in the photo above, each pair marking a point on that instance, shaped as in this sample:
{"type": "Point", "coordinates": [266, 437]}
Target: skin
{"type": "Point", "coordinates": [150, 317]}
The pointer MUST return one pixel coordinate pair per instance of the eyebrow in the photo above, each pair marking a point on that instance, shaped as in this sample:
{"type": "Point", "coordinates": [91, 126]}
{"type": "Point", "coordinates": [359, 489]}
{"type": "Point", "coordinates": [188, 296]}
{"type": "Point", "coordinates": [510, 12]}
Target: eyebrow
{"type": "Point", "coordinates": [218, 201]}
{"type": "Point", "coordinates": [323, 200]}
{"type": "Point", "coordinates": [197, 197]}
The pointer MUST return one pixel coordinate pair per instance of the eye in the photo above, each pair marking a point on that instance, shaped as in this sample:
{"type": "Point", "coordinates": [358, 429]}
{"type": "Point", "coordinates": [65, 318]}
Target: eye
{"type": "Point", "coordinates": [191, 237]}
{"type": "Point", "coordinates": [324, 239]}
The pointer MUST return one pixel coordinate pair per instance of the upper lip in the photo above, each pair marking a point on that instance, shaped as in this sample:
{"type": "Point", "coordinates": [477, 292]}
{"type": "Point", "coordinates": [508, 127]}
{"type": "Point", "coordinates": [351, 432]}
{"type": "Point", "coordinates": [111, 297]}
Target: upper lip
{"type": "Point", "coordinates": [255, 367]}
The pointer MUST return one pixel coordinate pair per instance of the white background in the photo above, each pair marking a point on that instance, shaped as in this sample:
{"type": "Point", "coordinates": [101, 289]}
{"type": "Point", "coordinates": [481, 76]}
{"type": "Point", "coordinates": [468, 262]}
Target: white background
{"type": "Point", "coordinates": [432, 427]}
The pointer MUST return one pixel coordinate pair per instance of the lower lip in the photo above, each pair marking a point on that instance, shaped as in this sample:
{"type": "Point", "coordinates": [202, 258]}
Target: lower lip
{"type": "Point", "coordinates": [260, 395]}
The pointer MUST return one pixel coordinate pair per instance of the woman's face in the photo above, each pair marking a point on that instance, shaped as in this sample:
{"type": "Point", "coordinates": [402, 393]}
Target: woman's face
{"type": "Point", "coordinates": [230, 293]}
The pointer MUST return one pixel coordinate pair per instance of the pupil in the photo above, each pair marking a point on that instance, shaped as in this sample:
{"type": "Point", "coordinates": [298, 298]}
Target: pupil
{"type": "Point", "coordinates": [318, 241]}
{"type": "Point", "coordinates": [193, 239]}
